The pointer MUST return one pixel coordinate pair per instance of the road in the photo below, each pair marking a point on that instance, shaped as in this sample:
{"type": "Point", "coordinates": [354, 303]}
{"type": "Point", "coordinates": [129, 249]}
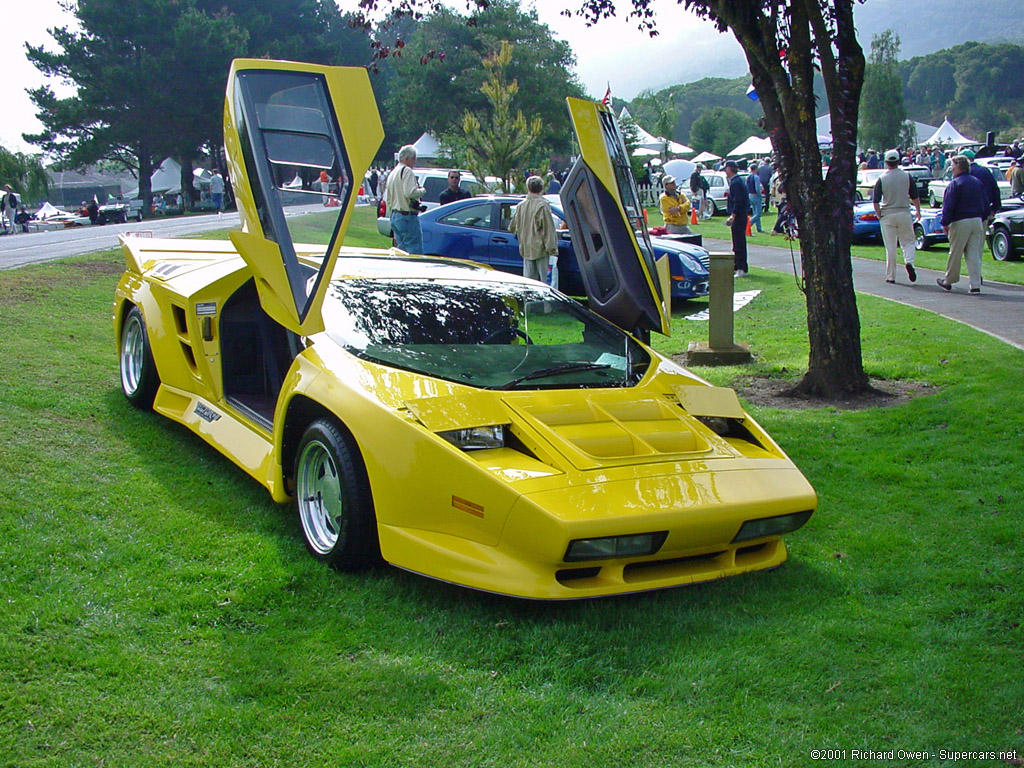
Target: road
{"type": "Point", "coordinates": [998, 311]}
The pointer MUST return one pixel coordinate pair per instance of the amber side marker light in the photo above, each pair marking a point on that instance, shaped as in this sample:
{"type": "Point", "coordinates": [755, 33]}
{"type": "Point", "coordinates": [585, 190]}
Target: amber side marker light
{"type": "Point", "coordinates": [631, 545]}
{"type": "Point", "coordinates": [772, 526]}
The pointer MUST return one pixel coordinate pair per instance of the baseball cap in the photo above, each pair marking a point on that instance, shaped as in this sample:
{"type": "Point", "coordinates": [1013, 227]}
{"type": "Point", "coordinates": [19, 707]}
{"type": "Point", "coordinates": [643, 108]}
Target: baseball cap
{"type": "Point", "coordinates": [892, 156]}
{"type": "Point", "coordinates": [667, 179]}
{"type": "Point", "coordinates": [731, 164]}
{"type": "Point", "coordinates": [968, 153]}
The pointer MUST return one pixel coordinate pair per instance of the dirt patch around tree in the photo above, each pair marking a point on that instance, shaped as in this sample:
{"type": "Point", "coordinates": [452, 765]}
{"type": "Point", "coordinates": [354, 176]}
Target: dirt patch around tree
{"type": "Point", "coordinates": [768, 392]}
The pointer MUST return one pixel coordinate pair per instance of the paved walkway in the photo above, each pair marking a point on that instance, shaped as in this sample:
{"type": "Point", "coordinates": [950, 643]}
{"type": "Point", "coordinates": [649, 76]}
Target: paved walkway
{"type": "Point", "coordinates": [998, 311]}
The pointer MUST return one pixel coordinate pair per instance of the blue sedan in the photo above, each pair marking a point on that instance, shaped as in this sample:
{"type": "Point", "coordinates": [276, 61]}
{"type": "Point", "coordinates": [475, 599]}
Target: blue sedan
{"type": "Point", "coordinates": [928, 230]}
{"type": "Point", "coordinates": [477, 229]}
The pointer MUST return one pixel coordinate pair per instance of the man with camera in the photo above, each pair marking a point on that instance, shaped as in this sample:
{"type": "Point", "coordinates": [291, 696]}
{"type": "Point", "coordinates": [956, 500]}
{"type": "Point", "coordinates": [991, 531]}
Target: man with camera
{"type": "Point", "coordinates": [402, 195]}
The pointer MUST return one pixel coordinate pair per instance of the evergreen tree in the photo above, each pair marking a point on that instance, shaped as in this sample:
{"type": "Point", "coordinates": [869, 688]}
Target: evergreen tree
{"type": "Point", "coordinates": [495, 146]}
{"type": "Point", "coordinates": [882, 114]}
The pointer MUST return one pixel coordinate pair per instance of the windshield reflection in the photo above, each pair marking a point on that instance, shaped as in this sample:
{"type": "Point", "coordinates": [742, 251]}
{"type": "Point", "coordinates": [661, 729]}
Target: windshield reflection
{"type": "Point", "coordinates": [488, 335]}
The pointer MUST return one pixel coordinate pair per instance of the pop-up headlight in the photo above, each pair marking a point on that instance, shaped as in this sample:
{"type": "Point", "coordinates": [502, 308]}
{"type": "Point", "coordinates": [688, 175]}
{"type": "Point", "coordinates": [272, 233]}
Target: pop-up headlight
{"type": "Point", "coordinates": [476, 438]}
{"type": "Point", "coordinates": [772, 526]}
{"type": "Point", "coordinates": [615, 546]}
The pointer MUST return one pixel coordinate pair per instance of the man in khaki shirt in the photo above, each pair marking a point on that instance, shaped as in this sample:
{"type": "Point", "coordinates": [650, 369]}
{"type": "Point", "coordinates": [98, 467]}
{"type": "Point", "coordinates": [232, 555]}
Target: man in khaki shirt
{"type": "Point", "coordinates": [402, 195]}
{"type": "Point", "coordinates": [533, 224]}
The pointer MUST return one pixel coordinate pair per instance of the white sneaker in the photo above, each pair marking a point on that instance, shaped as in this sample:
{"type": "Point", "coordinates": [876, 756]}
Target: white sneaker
{"type": "Point", "coordinates": [739, 273]}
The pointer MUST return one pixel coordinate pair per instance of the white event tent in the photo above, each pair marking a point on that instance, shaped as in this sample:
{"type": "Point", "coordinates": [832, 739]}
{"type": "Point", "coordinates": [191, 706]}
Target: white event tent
{"type": "Point", "coordinates": [948, 135]}
{"type": "Point", "coordinates": [754, 145]}
{"type": "Point", "coordinates": [706, 157]}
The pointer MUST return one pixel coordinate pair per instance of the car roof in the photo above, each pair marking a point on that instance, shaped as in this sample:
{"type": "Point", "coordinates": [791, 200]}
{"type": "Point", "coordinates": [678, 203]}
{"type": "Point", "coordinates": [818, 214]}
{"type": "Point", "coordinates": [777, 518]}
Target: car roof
{"type": "Point", "coordinates": [399, 267]}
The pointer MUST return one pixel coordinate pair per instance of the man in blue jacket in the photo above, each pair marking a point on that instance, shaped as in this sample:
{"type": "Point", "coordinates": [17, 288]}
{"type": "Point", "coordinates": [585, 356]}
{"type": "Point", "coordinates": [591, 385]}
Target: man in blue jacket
{"type": "Point", "coordinates": [988, 182]}
{"type": "Point", "coordinates": [738, 208]}
{"type": "Point", "coordinates": [965, 206]}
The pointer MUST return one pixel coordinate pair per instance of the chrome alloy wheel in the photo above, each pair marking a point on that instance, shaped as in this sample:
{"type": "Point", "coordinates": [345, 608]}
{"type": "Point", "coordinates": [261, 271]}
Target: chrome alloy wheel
{"type": "Point", "coordinates": [318, 488]}
{"type": "Point", "coordinates": [133, 354]}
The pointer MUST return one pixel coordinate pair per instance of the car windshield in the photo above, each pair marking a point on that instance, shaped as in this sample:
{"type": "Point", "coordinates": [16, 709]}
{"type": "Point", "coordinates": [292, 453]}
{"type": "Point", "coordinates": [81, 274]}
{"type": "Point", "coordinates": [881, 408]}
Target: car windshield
{"type": "Point", "coordinates": [484, 334]}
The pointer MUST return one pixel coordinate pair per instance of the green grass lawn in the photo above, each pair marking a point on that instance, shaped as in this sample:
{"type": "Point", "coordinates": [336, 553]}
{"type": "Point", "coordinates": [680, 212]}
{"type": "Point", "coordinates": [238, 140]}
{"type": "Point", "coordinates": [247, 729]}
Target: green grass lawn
{"type": "Point", "coordinates": [160, 610]}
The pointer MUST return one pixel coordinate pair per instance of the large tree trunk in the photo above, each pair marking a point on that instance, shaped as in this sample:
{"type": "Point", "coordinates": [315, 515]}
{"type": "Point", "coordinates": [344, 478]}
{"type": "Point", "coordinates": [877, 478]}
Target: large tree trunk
{"type": "Point", "coordinates": [834, 368]}
{"type": "Point", "coordinates": [145, 179]}
{"type": "Point", "coordinates": [187, 178]}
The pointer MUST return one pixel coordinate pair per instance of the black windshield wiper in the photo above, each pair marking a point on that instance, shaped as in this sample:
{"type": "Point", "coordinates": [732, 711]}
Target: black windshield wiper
{"type": "Point", "coordinates": [553, 371]}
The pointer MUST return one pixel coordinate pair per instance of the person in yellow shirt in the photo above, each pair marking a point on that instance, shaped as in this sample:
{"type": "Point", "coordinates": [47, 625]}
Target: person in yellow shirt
{"type": "Point", "coordinates": [675, 208]}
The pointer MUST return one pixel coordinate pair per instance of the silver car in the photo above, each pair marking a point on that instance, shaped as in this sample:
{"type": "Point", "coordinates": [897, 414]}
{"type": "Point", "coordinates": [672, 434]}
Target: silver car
{"type": "Point", "coordinates": [718, 191]}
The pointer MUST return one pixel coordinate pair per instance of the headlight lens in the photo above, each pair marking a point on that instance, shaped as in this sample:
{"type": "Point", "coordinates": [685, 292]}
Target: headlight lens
{"type": "Point", "coordinates": [476, 438]}
{"type": "Point", "coordinates": [772, 526]}
{"type": "Point", "coordinates": [615, 546]}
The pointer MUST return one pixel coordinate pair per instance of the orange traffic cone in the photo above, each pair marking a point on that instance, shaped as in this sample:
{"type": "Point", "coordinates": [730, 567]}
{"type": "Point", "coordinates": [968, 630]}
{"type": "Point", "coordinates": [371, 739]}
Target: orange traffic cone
{"type": "Point", "coordinates": [748, 226]}
{"type": "Point", "coordinates": [693, 215]}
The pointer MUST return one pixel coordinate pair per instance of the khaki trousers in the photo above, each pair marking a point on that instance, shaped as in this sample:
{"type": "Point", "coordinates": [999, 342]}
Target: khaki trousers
{"type": "Point", "coordinates": [897, 226]}
{"type": "Point", "coordinates": [966, 239]}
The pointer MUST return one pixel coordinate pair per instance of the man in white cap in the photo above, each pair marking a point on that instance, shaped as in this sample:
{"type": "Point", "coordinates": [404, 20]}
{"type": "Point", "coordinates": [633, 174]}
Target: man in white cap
{"type": "Point", "coordinates": [894, 193]}
{"type": "Point", "coordinates": [675, 208]}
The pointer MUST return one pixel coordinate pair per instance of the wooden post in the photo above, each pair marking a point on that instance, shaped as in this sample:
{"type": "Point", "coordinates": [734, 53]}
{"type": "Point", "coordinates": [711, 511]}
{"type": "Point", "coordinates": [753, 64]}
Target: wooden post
{"type": "Point", "coordinates": [720, 348]}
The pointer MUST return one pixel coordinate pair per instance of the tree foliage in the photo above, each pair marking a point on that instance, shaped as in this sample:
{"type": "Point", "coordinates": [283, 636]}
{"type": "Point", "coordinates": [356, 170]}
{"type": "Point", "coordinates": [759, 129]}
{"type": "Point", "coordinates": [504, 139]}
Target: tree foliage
{"type": "Point", "coordinates": [688, 101]}
{"type": "Point", "coordinates": [882, 114]}
{"type": "Point", "coordinates": [977, 85]}
{"type": "Point", "coordinates": [445, 55]}
{"type": "Point", "coordinates": [25, 174]}
{"type": "Point", "coordinates": [495, 147]}
{"type": "Point", "coordinates": [719, 129]}
{"type": "Point", "coordinates": [150, 74]}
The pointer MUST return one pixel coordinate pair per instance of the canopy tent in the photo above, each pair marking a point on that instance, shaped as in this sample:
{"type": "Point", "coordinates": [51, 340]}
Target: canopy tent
{"type": "Point", "coordinates": [824, 127]}
{"type": "Point", "coordinates": [165, 180]}
{"type": "Point", "coordinates": [948, 135]}
{"type": "Point", "coordinates": [644, 140]}
{"type": "Point", "coordinates": [644, 152]}
{"type": "Point", "coordinates": [427, 147]}
{"type": "Point", "coordinates": [706, 157]}
{"type": "Point", "coordinates": [47, 211]}
{"type": "Point", "coordinates": [752, 146]}
{"type": "Point", "coordinates": [675, 148]}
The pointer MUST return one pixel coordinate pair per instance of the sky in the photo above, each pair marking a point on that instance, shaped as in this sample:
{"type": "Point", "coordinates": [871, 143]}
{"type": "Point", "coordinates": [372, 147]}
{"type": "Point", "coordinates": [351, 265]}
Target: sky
{"type": "Point", "coordinates": [612, 53]}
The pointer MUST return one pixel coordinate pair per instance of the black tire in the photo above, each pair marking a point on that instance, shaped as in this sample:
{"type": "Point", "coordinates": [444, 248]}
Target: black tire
{"type": "Point", "coordinates": [712, 207]}
{"type": "Point", "coordinates": [332, 498]}
{"type": "Point", "coordinates": [931, 200]}
{"type": "Point", "coordinates": [921, 242]}
{"type": "Point", "coordinates": [139, 378]}
{"type": "Point", "coordinates": [1002, 246]}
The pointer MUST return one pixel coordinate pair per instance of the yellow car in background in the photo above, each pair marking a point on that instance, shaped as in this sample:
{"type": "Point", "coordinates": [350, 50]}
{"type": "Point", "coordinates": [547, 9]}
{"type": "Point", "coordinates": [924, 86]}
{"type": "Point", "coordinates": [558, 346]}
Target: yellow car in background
{"type": "Point", "coordinates": [462, 423]}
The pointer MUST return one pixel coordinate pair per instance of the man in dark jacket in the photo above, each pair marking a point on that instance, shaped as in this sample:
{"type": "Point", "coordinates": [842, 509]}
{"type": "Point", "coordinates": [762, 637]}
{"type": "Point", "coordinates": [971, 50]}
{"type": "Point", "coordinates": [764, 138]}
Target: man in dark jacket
{"type": "Point", "coordinates": [738, 208]}
{"type": "Point", "coordinates": [988, 183]}
{"type": "Point", "coordinates": [965, 205]}
{"type": "Point", "coordinates": [453, 191]}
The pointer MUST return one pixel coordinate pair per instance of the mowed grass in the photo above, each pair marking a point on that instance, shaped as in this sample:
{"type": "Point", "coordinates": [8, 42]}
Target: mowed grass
{"type": "Point", "coordinates": [160, 610]}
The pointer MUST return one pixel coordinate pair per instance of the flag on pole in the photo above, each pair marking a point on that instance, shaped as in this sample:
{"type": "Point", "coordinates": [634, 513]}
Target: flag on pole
{"type": "Point", "coordinates": [751, 93]}
{"type": "Point", "coordinates": [607, 95]}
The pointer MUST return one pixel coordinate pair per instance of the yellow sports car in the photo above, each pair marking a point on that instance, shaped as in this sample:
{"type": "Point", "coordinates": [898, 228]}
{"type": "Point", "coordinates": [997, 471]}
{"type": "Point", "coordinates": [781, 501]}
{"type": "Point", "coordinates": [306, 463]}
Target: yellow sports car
{"type": "Point", "coordinates": [469, 425]}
